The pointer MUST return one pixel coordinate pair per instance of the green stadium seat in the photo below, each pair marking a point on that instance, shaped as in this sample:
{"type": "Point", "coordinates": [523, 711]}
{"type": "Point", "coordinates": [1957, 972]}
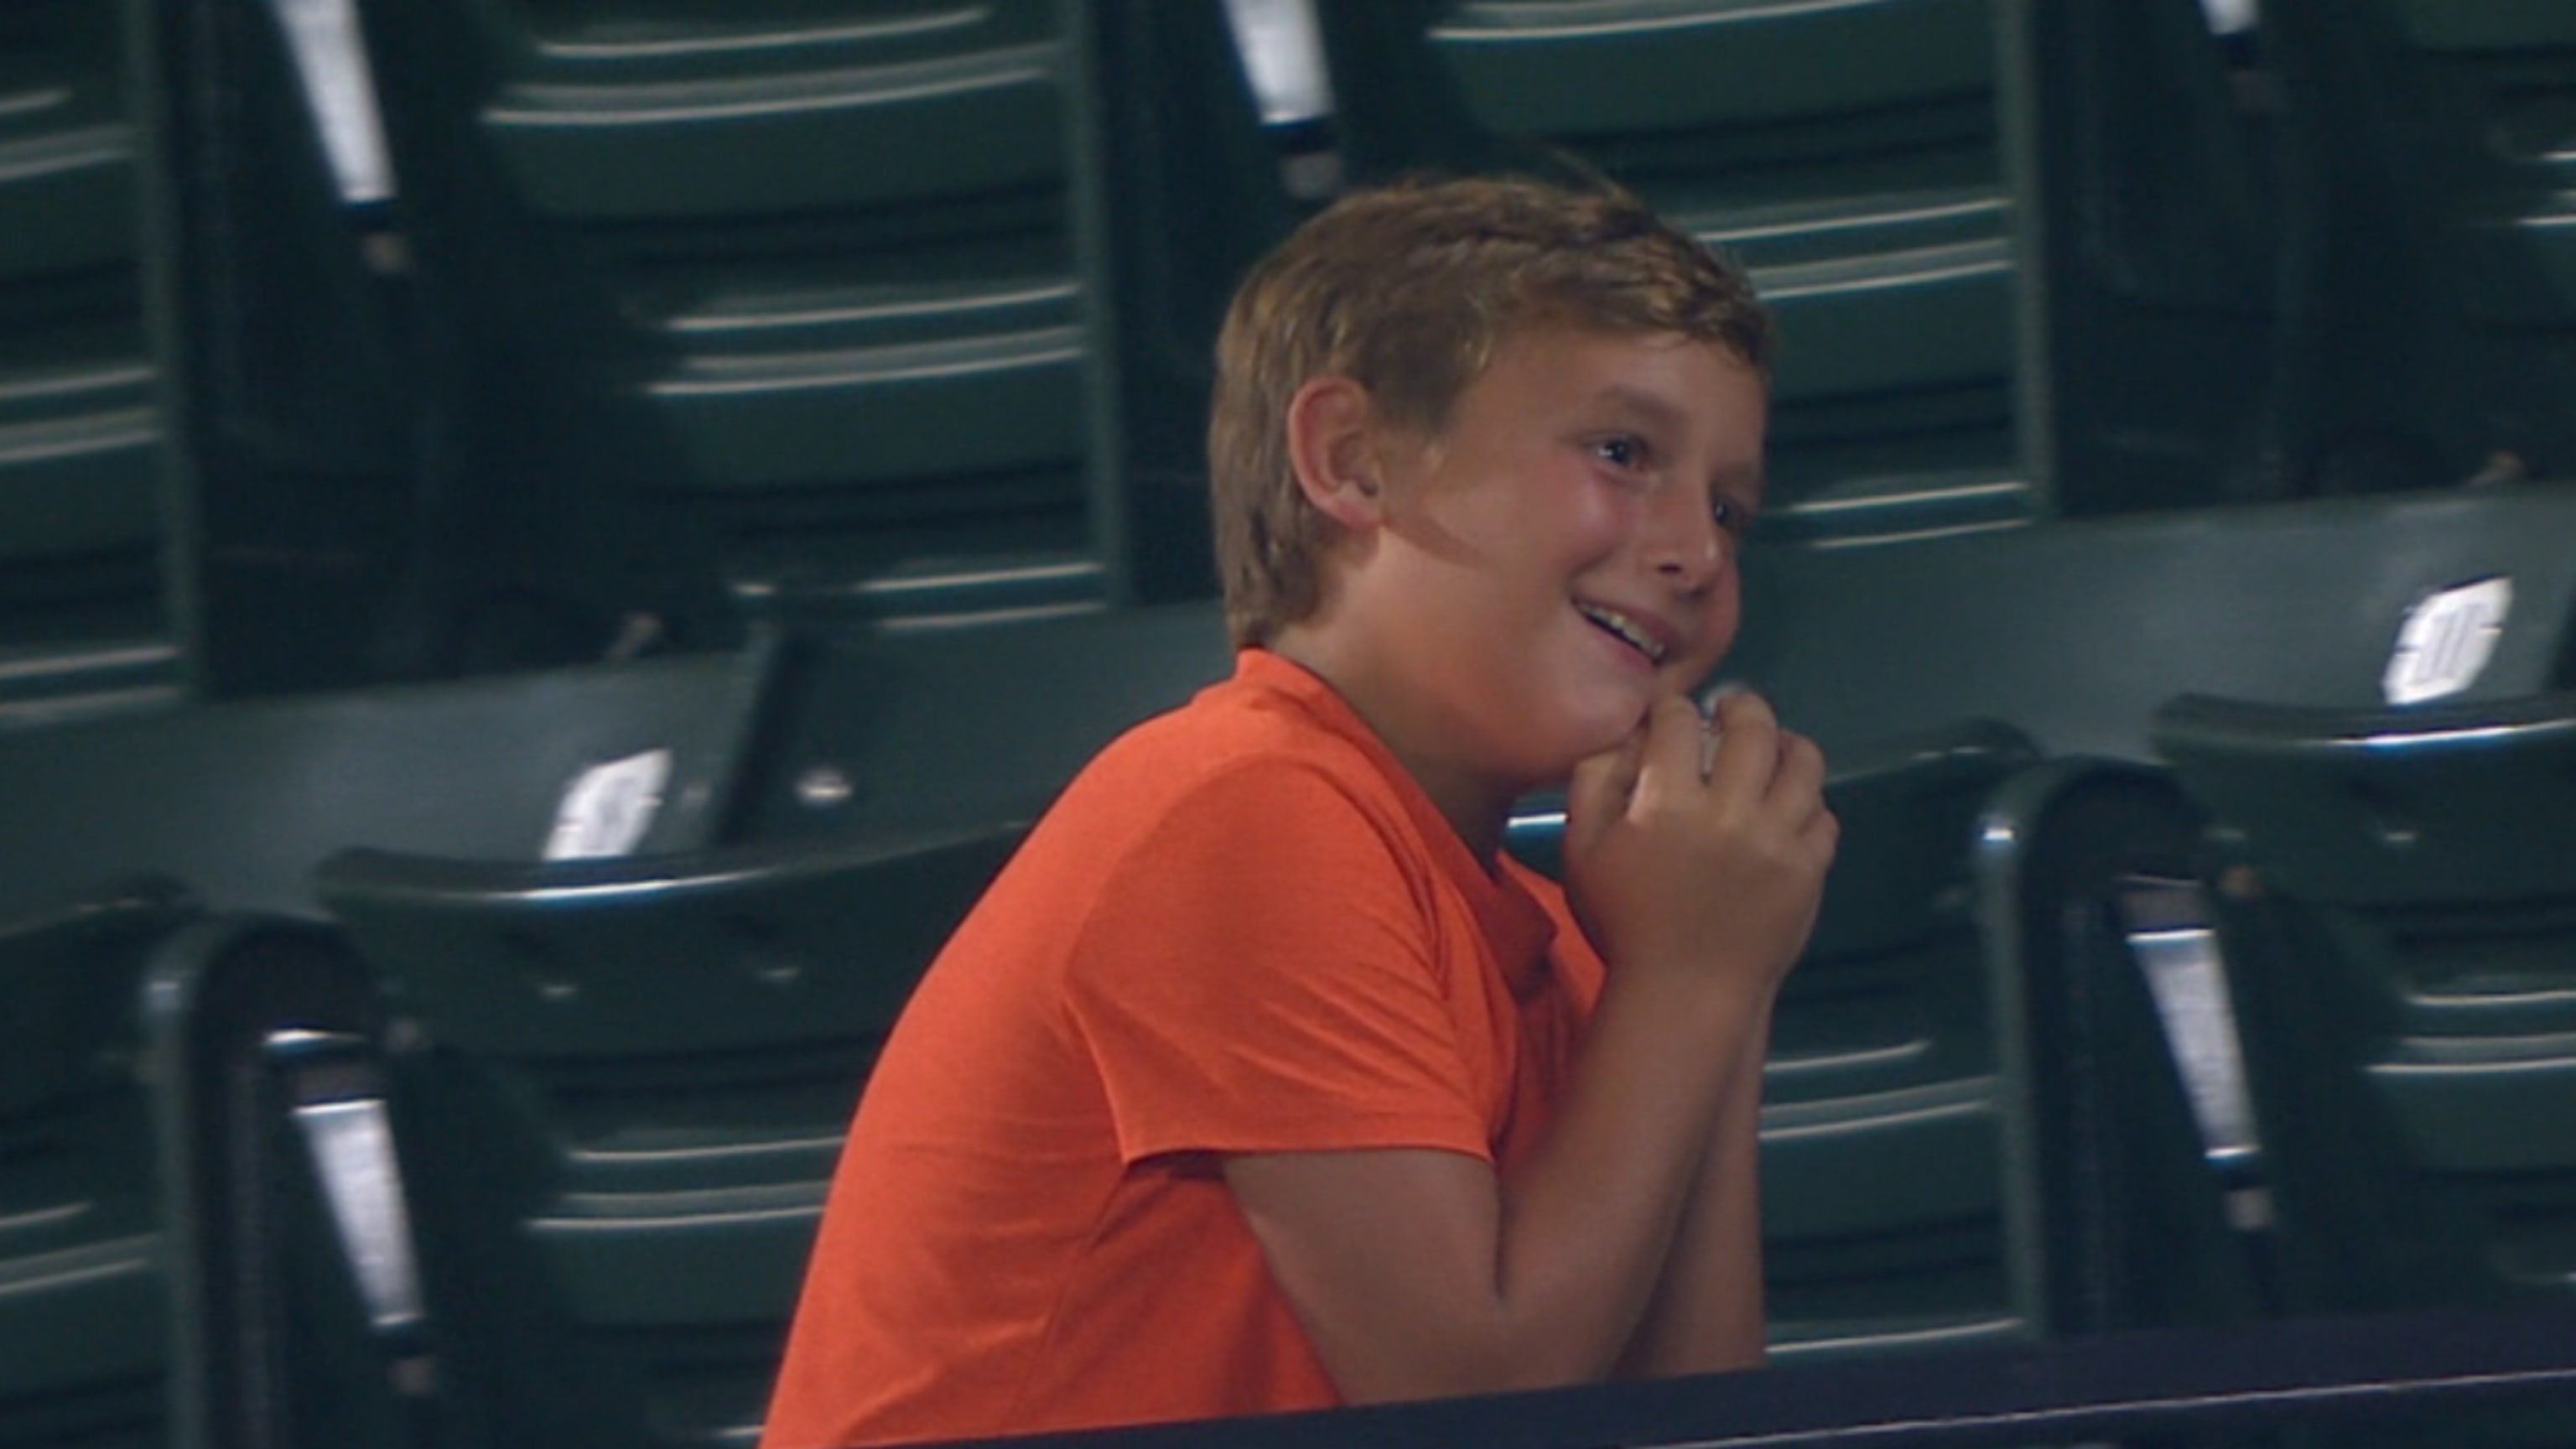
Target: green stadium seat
{"type": "Point", "coordinates": [624, 1096]}
{"type": "Point", "coordinates": [83, 621]}
{"type": "Point", "coordinates": [2436, 259]}
{"type": "Point", "coordinates": [242, 799]}
{"type": "Point", "coordinates": [2144, 1200]}
{"type": "Point", "coordinates": [2147, 228]}
{"type": "Point", "coordinates": [1897, 175]}
{"type": "Point", "coordinates": [661, 314]}
{"type": "Point", "coordinates": [295, 1289]}
{"type": "Point", "coordinates": [1198, 178]}
{"type": "Point", "coordinates": [306, 545]}
{"type": "Point", "coordinates": [794, 294]}
{"type": "Point", "coordinates": [1887, 1115]}
{"type": "Point", "coordinates": [2074, 632]}
{"type": "Point", "coordinates": [154, 1286]}
{"type": "Point", "coordinates": [2395, 892]}
{"type": "Point", "coordinates": [85, 1292]}
{"type": "Point", "coordinates": [901, 731]}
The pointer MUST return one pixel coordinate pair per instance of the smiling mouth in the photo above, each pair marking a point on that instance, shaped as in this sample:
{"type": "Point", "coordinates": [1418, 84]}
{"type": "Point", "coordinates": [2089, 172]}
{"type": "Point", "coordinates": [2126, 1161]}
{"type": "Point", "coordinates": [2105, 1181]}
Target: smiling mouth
{"type": "Point", "coordinates": [1628, 631]}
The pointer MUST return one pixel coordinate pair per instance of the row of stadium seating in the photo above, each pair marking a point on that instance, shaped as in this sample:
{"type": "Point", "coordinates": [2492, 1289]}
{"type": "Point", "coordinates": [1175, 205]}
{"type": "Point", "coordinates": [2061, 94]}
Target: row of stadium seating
{"type": "Point", "coordinates": [372, 342]}
{"type": "Point", "coordinates": [84, 435]}
{"type": "Point", "coordinates": [603, 954]}
{"type": "Point", "coordinates": [342, 345]}
{"type": "Point", "coordinates": [322, 429]}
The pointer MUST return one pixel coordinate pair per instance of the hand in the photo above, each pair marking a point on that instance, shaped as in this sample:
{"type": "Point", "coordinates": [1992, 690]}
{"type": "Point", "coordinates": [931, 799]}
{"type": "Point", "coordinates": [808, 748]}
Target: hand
{"type": "Point", "coordinates": [1722, 874]}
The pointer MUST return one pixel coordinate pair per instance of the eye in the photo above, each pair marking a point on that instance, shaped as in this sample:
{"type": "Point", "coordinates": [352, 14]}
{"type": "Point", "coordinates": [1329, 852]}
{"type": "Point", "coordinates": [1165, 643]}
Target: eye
{"type": "Point", "coordinates": [1621, 451]}
{"type": "Point", "coordinates": [1732, 517]}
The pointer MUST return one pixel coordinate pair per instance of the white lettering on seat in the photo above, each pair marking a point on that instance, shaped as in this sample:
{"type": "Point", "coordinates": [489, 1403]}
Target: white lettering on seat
{"type": "Point", "coordinates": [609, 807]}
{"type": "Point", "coordinates": [2446, 640]}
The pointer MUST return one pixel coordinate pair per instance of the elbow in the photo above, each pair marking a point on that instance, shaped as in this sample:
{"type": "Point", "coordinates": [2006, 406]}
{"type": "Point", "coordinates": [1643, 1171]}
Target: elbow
{"type": "Point", "coordinates": [1490, 1359]}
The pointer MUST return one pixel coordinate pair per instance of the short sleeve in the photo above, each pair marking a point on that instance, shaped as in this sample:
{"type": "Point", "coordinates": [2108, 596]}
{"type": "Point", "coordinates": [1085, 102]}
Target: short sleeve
{"type": "Point", "coordinates": [1263, 973]}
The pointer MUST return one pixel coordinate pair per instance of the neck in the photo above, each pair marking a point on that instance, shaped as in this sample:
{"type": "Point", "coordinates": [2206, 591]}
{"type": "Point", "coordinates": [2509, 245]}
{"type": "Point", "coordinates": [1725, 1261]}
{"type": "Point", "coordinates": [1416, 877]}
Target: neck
{"type": "Point", "coordinates": [1476, 806]}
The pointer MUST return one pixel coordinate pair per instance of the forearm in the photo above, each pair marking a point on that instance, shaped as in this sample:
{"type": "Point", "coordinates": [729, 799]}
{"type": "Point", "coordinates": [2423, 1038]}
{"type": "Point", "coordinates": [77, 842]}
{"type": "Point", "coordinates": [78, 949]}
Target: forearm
{"type": "Point", "coordinates": [1423, 1273]}
{"type": "Point", "coordinates": [1597, 1222]}
{"type": "Point", "coordinates": [1742, 913]}
{"type": "Point", "coordinates": [1707, 1314]}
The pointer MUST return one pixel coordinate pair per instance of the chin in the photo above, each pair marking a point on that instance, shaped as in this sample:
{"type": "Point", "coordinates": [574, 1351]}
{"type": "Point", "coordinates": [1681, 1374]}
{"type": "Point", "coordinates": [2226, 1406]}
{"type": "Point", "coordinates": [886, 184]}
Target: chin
{"type": "Point", "coordinates": [1599, 736]}
{"type": "Point", "coordinates": [1579, 718]}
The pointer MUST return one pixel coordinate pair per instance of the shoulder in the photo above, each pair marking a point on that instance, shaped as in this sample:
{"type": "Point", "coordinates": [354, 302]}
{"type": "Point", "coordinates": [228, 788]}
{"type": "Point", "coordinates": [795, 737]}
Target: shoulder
{"type": "Point", "coordinates": [1256, 823]}
{"type": "Point", "coordinates": [1301, 817]}
{"type": "Point", "coordinates": [1250, 812]}
{"type": "Point", "coordinates": [1241, 768]}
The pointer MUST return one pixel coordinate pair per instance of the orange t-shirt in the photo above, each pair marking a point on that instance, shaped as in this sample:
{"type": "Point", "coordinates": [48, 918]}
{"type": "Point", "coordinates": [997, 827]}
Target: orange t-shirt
{"type": "Point", "coordinates": [1242, 928]}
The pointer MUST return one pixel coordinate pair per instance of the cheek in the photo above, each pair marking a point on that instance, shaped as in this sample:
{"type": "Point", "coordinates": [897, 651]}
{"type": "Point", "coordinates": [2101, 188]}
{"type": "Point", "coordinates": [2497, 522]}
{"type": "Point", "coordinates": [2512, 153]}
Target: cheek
{"type": "Point", "coordinates": [1719, 619]}
{"type": "Point", "coordinates": [1600, 519]}
{"type": "Point", "coordinates": [1572, 519]}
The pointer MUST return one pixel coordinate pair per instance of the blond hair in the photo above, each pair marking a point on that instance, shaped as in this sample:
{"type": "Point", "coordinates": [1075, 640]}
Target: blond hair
{"type": "Point", "coordinates": [1409, 290]}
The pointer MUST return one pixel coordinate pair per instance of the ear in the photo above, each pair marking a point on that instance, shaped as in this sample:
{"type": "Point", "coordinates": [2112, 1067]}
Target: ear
{"type": "Point", "coordinates": [1332, 447]}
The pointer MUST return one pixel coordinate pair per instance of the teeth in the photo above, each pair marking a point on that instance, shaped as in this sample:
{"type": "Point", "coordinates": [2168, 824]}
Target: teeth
{"type": "Point", "coordinates": [1626, 628]}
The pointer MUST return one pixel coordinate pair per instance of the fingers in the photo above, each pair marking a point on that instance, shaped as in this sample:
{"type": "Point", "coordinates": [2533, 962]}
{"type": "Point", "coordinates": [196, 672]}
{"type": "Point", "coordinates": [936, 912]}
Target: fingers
{"type": "Point", "coordinates": [1670, 869]}
{"type": "Point", "coordinates": [1675, 734]}
{"type": "Point", "coordinates": [1822, 833]}
{"type": "Point", "coordinates": [1800, 784]}
{"type": "Point", "coordinates": [1801, 770]}
{"type": "Point", "coordinates": [1747, 753]}
{"type": "Point", "coordinates": [1602, 786]}
{"type": "Point", "coordinates": [1711, 702]}
{"type": "Point", "coordinates": [1774, 770]}
{"type": "Point", "coordinates": [1739, 751]}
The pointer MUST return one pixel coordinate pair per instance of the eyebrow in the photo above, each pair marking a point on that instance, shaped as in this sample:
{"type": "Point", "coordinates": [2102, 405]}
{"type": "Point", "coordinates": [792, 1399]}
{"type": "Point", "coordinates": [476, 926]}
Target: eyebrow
{"type": "Point", "coordinates": [1653, 405]}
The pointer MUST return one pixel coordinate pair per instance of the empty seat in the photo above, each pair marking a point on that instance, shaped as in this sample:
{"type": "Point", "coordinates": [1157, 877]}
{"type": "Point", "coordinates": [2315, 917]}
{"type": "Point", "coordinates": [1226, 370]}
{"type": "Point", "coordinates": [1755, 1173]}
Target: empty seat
{"type": "Point", "coordinates": [242, 799]}
{"type": "Point", "coordinates": [2436, 252]}
{"type": "Point", "coordinates": [1210, 155]}
{"type": "Point", "coordinates": [1887, 1113]}
{"type": "Point", "coordinates": [295, 1289]}
{"type": "Point", "coordinates": [790, 294]}
{"type": "Point", "coordinates": [85, 1296]}
{"type": "Point", "coordinates": [82, 430]}
{"type": "Point", "coordinates": [2397, 899]}
{"type": "Point", "coordinates": [624, 1099]}
{"type": "Point", "coordinates": [158, 1281]}
{"type": "Point", "coordinates": [305, 542]}
{"type": "Point", "coordinates": [2145, 1204]}
{"type": "Point", "coordinates": [2395, 892]}
{"type": "Point", "coordinates": [2076, 631]}
{"type": "Point", "coordinates": [907, 731]}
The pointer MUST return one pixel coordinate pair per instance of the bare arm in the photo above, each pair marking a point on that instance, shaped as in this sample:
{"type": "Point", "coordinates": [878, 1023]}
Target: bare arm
{"type": "Point", "coordinates": [1420, 1273]}
{"type": "Point", "coordinates": [1707, 1316]}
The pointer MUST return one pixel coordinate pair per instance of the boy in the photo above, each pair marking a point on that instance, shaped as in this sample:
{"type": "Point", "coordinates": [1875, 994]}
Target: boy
{"type": "Point", "coordinates": [1261, 1079]}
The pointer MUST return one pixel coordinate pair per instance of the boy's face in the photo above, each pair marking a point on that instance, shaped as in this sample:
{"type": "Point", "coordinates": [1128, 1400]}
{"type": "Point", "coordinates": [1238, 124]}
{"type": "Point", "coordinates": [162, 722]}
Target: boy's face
{"type": "Point", "coordinates": [1564, 553]}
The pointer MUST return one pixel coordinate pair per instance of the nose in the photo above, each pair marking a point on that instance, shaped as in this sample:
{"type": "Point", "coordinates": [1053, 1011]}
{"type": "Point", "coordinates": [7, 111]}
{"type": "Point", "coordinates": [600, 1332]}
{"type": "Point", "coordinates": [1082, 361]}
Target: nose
{"type": "Point", "coordinates": [1683, 540]}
